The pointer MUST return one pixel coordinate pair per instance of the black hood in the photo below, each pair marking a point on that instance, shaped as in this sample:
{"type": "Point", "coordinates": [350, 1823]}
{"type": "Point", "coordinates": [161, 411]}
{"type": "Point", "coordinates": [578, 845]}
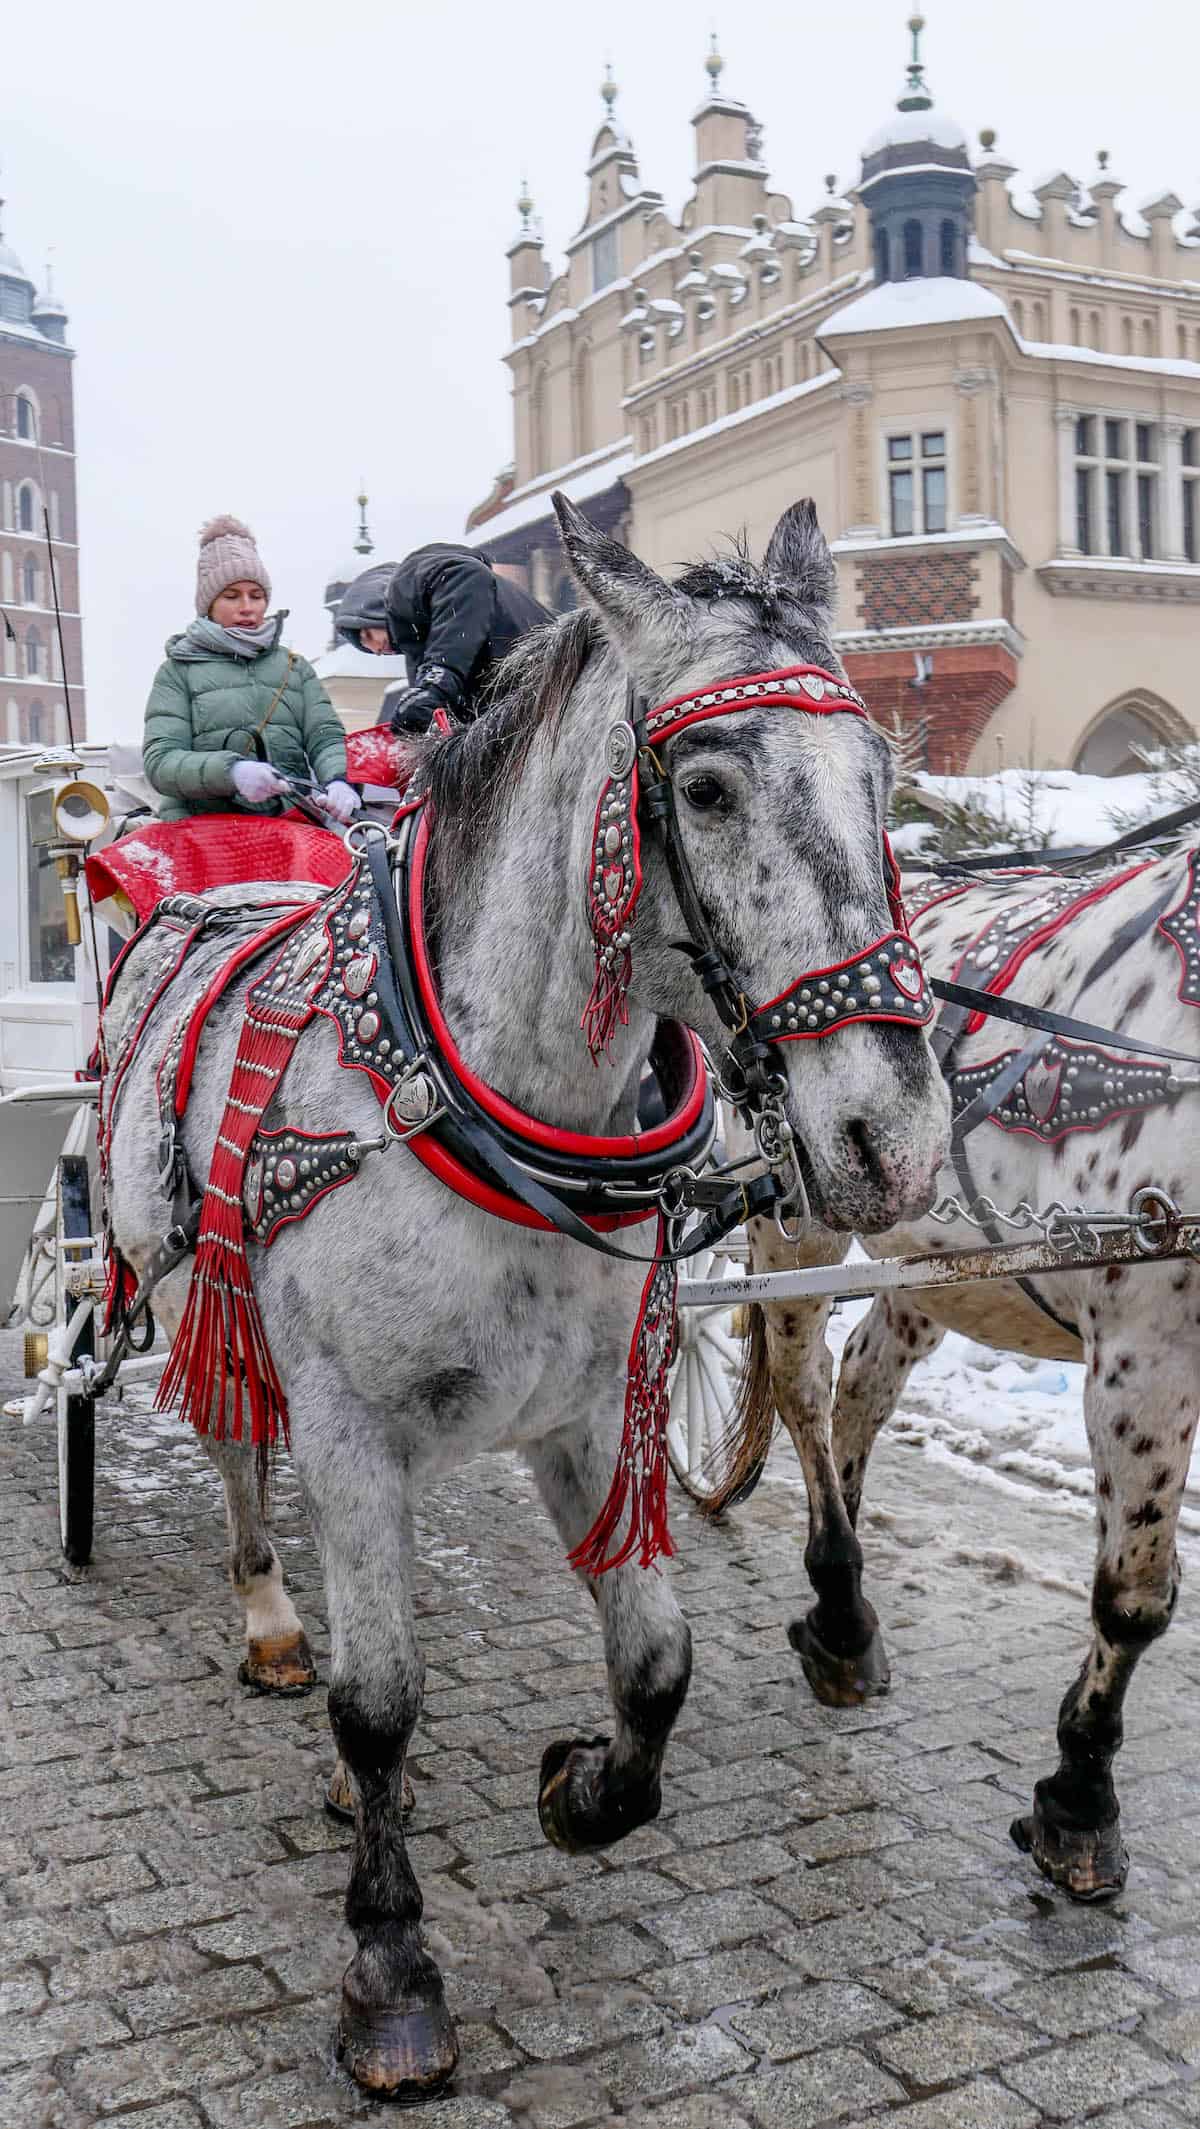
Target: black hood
{"type": "Point", "coordinates": [363, 604]}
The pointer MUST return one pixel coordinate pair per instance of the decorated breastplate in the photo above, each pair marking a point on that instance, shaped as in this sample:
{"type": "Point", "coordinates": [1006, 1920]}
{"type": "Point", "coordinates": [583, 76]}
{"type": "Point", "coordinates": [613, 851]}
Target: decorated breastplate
{"type": "Point", "coordinates": [1068, 1087]}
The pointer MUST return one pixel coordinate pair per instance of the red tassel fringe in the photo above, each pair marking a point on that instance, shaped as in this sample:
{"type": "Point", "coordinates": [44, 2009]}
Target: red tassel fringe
{"type": "Point", "coordinates": [220, 1360]}
{"type": "Point", "coordinates": [606, 1009]}
{"type": "Point", "coordinates": [640, 1479]}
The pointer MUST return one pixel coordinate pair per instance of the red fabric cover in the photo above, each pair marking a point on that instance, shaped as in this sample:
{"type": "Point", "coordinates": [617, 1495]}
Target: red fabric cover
{"type": "Point", "coordinates": [377, 756]}
{"type": "Point", "coordinates": [214, 850]}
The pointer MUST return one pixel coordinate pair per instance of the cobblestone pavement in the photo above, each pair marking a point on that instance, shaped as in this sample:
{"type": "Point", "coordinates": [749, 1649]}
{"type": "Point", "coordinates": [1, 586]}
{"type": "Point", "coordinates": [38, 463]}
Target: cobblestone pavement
{"type": "Point", "coordinates": [827, 1924]}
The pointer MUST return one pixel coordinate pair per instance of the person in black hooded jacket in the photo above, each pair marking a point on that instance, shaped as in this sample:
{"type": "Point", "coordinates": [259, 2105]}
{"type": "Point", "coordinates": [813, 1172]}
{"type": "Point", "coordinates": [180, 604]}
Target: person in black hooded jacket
{"type": "Point", "coordinates": [451, 616]}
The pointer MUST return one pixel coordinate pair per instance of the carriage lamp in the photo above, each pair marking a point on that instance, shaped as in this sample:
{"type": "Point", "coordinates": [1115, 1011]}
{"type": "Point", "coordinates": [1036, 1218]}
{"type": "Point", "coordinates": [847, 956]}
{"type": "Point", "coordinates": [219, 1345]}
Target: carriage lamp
{"type": "Point", "coordinates": [79, 811]}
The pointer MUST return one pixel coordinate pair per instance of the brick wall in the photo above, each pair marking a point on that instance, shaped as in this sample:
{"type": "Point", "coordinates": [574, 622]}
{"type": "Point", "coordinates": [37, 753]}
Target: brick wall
{"type": "Point", "coordinates": [918, 590]}
{"type": "Point", "coordinates": [966, 685]}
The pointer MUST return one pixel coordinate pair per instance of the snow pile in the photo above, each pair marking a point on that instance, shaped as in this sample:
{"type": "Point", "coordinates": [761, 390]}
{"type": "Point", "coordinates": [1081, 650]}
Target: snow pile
{"type": "Point", "coordinates": [1053, 809]}
{"type": "Point", "coordinates": [1019, 1421]}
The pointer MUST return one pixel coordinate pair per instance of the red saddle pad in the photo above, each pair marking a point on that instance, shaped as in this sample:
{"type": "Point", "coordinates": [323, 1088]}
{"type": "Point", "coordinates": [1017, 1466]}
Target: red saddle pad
{"type": "Point", "coordinates": [214, 850]}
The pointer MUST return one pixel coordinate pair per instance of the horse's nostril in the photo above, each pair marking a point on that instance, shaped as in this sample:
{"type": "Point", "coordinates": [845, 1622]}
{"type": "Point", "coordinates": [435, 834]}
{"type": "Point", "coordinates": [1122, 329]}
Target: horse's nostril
{"type": "Point", "coordinates": [863, 1140]}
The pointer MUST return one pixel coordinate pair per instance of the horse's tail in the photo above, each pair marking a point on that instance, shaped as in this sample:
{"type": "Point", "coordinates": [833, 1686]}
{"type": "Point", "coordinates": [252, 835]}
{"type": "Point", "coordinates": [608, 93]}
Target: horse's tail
{"type": "Point", "coordinates": [753, 1422]}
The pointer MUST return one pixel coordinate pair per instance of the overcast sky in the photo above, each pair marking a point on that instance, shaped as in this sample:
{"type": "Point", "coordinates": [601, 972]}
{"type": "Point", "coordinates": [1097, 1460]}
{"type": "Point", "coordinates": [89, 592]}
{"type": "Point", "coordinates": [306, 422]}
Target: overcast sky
{"type": "Point", "coordinates": [280, 229]}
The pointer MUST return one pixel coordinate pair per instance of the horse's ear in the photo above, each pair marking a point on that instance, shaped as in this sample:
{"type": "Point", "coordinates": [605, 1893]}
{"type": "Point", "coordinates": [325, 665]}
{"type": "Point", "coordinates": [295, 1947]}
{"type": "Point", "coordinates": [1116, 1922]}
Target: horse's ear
{"type": "Point", "coordinates": [799, 553]}
{"type": "Point", "coordinates": [645, 617]}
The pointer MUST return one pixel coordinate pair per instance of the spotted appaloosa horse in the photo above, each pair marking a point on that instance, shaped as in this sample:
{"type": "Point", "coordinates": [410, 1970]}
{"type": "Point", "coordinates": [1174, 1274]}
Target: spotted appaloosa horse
{"type": "Point", "coordinates": [1078, 1125]}
{"type": "Point", "coordinates": [447, 1332]}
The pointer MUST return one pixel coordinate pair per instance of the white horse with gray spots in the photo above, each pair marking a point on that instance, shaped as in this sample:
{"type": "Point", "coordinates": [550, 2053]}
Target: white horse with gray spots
{"type": "Point", "coordinates": [411, 1330]}
{"type": "Point", "coordinates": [1040, 1119]}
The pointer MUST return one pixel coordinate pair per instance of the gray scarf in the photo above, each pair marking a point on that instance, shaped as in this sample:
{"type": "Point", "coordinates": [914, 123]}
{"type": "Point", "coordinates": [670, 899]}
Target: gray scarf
{"type": "Point", "coordinates": [207, 639]}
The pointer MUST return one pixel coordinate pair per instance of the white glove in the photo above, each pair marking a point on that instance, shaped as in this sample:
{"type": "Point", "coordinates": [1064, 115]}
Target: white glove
{"type": "Point", "coordinates": [339, 800]}
{"type": "Point", "coordinates": [255, 781]}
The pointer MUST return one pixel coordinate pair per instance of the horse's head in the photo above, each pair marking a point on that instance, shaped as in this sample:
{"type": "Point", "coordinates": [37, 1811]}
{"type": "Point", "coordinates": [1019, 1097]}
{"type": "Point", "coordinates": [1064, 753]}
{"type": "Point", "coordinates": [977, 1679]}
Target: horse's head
{"type": "Point", "coordinates": [781, 822]}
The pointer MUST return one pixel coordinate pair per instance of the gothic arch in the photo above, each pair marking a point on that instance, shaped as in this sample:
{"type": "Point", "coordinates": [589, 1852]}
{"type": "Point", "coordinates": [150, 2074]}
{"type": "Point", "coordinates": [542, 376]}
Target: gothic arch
{"type": "Point", "coordinates": [1138, 718]}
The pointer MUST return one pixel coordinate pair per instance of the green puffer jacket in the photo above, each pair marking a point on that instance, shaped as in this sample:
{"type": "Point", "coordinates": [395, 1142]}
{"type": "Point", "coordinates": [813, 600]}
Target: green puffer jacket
{"type": "Point", "coordinates": [202, 713]}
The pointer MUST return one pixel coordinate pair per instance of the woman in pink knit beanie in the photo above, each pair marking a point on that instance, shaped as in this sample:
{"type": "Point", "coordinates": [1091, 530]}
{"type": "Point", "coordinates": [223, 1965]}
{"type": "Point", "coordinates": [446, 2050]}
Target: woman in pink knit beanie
{"type": "Point", "coordinates": [232, 712]}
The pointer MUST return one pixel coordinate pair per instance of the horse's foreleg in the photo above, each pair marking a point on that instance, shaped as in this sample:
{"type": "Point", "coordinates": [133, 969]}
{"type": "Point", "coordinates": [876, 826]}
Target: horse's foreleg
{"type": "Point", "coordinates": [839, 1642]}
{"type": "Point", "coordinates": [1140, 1405]}
{"type": "Point", "coordinates": [593, 1791]}
{"type": "Point", "coordinates": [278, 1658]}
{"type": "Point", "coordinates": [880, 1355]}
{"type": "Point", "coordinates": [395, 2034]}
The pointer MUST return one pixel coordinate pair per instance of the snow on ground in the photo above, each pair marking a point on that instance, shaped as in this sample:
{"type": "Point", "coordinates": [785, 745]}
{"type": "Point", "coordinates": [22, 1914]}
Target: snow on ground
{"type": "Point", "coordinates": [1019, 1420]}
{"type": "Point", "coordinates": [1055, 808]}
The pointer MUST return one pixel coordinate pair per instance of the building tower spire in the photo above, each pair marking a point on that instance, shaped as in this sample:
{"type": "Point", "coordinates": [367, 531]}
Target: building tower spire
{"type": "Point", "coordinates": [916, 95]}
{"type": "Point", "coordinates": [714, 65]}
{"type": "Point", "coordinates": [364, 544]}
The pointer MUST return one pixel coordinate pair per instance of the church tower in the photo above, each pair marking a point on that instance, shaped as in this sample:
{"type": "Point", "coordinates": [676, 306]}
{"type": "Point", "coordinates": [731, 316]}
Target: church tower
{"type": "Point", "coordinates": [917, 184]}
{"type": "Point", "coordinates": [37, 487]}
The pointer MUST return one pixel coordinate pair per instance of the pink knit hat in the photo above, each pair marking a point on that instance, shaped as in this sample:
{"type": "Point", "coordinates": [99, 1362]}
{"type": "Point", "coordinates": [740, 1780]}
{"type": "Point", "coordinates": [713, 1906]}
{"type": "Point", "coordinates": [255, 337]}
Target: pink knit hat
{"type": "Point", "coordinates": [227, 555]}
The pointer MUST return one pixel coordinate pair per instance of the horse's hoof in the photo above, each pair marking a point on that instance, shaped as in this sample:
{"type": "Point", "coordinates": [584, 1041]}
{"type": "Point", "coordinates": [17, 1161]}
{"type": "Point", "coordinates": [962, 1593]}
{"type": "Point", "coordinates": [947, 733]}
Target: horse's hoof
{"type": "Point", "coordinates": [281, 1664]}
{"type": "Point", "coordinates": [1088, 1863]}
{"type": "Point", "coordinates": [581, 1805]}
{"type": "Point", "coordinates": [841, 1681]}
{"type": "Point", "coordinates": [402, 2051]}
{"type": "Point", "coordinates": [339, 1796]}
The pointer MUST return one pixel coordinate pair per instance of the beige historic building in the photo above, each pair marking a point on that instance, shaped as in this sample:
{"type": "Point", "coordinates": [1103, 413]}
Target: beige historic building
{"type": "Point", "coordinates": [992, 392]}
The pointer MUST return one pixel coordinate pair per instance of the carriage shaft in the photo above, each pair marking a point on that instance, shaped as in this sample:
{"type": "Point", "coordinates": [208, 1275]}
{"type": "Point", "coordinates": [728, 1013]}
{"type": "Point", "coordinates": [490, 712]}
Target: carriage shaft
{"type": "Point", "coordinates": [952, 1267]}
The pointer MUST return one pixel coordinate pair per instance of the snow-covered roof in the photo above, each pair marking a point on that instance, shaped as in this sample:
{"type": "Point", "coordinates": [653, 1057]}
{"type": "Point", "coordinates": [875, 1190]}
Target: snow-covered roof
{"type": "Point", "coordinates": [530, 505]}
{"type": "Point", "coordinates": [11, 265]}
{"type": "Point", "coordinates": [909, 127]}
{"type": "Point", "coordinates": [941, 300]}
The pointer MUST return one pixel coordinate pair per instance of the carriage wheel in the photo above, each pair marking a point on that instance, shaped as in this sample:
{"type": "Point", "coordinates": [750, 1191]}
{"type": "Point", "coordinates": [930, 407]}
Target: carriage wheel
{"type": "Point", "coordinates": [704, 1392]}
{"type": "Point", "coordinates": [76, 1415]}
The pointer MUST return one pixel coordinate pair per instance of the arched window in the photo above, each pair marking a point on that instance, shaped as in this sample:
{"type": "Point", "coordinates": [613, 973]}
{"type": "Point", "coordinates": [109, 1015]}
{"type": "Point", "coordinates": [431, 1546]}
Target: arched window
{"type": "Point", "coordinates": [735, 392]}
{"type": "Point", "coordinates": [949, 247]}
{"type": "Point", "coordinates": [1147, 336]}
{"type": "Point", "coordinates": [29, 582]}
{"type": "Point", "coordinates": [35, 724]}
{"type": "Point", "coordinates": [1095, 336]}
{"type": "Point", "coordinates": [1115, 742]}
{"type": "Point", "coordinates": [1039, 321]}
{"type": "Point", "coordinates": [1018, 316]}
{"type": "Point", "coordinates": [882, 253]}
{"type": "Point", "coordinates": [1127, 336]}
{"type": "Point", "coordinates": [1075, 328]}
{"type": "Point", "coordinates": [33, 654]}
{"type": "Point", "coordinates": [26, 508]}
{"type": "Point", "coordinates": [912, 249]}
{"type": "Point", "coordinates": [26, 418]}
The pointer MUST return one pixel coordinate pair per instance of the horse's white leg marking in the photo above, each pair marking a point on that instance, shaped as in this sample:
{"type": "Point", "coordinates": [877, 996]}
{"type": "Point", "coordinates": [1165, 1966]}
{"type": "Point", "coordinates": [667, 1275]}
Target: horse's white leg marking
{"type": "Point", "coordinates": [879, 1357]}
{"type": "Point", "coordinates": [278, 1658]}
{"type": "Point", "coordinates": [595, 1791]}
{"type": "Point", "coordinates": [839, 1642]}
{"type": "Point", "coordinates": [1143, 1338]}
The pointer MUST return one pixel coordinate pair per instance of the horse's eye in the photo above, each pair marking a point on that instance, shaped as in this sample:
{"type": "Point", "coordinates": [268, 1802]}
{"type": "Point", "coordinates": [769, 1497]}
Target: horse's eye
{"type": "Point", "coordinates": [704, 792]}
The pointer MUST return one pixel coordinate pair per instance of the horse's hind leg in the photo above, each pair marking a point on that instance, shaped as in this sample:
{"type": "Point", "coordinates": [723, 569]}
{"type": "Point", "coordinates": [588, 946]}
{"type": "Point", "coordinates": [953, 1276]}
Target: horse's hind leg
{"type": "Point", "coordinates": [278, 1658]}
{"type": "Point", "coordinates": [838, 1642]}
{"type": "Point", "coordinates": [1140, 1405]}
{"type": "Point", "coordinates": [593, 1791]}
